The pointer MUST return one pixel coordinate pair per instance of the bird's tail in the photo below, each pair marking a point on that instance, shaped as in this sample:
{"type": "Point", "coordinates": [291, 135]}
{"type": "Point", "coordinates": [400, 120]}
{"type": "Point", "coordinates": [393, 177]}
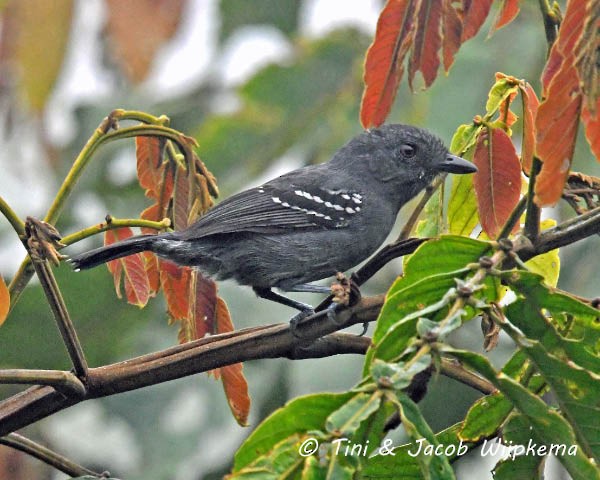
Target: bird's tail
{"type": "Point", "coordinates": [120, 249]}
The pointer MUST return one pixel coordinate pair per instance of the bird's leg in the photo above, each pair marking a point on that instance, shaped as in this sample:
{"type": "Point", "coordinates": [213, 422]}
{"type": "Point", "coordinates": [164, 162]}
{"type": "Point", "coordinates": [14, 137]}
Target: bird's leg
{"type": "Point", "coordinates": [305, 309]}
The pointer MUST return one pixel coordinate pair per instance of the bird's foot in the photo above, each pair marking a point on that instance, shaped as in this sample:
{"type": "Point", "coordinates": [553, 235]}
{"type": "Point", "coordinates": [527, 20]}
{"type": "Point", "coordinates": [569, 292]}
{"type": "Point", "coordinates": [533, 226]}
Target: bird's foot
{"type": "Point", "coordinates": [296, 320]}
{"type": "Point", "coordinates": [345, 293]}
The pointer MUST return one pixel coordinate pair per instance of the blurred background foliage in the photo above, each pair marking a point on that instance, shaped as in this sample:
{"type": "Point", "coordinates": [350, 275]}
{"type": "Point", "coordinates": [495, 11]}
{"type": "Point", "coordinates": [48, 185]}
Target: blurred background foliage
{"type": "Point", "coordinates": [264, 86]}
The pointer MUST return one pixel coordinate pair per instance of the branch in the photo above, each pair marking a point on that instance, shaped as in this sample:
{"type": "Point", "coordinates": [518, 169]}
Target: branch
{"type": "Point", "coordinates": [194, 357]}
{"type": "Point", "coordinates": [64, 382]}
{"type": "Point", "coordinates": [19, 442]}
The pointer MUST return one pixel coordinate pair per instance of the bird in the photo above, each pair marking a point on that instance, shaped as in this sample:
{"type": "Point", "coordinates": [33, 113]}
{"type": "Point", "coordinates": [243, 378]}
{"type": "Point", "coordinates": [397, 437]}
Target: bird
{"type": "Point", "coordinates": [305, 225]}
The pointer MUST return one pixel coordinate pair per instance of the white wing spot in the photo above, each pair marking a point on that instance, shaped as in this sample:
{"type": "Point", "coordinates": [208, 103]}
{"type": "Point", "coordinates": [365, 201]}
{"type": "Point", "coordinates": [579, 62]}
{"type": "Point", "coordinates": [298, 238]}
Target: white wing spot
{"type": "Point", "coordinates": [307, 195]}
{"type": "Point", "coordinates": [276, 199]}
{"type": "Point", "coordinates": [350, 210]}
{"type": "Point", "coordinates": [318, 199]}
{"type": "Point", "coordinates": [345, 196]}
{"type": "Point", "coordinates": [261, 190]}
{"type": "Point", "coordinates": [338, 208]}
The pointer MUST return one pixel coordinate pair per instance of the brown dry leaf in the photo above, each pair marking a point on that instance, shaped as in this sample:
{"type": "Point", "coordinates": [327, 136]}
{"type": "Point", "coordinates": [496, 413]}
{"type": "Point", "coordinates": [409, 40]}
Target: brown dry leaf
{"type": "Point", "coordinates": [137, 29]}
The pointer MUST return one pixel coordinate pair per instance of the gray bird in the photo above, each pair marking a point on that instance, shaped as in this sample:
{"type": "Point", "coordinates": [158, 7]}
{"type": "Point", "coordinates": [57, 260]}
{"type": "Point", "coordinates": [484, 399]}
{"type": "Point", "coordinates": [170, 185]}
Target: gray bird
{"type": "Point", "coordinates": [307, 224]}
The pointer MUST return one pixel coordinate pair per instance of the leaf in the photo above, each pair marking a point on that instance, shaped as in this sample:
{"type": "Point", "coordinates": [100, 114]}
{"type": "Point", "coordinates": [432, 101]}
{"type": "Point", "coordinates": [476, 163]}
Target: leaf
{"type": "Point", "coordinates": [130, 268]}
{"type": "Point", "coordinates": [530, 108]}
{"type": "Point", "coordinates": [547, 264]}
{"type": "Point", "coordinates": [462, 206]}
{"type": "Point", "coordinates": [431, 223]}
{"type": "Point", "coordinates": [150, 168]}
{"type": "Point", "coordinates": [427, 42]}
{"type": "Point", "coordinates": [498, 179]}
{"type": "Point", "coordinates": [134, 44]}
{"type": "Point", "coordinates": [558, 114]}
{"type": "Point", "coordinates": [433, 466]}
{"type": "Point", "coordinates": [202, 303]}
{"type": "Point", "coordinates": [404, 465]}
{"type": "Point", "coordinates": [298, 416]}
{"type": "Point", "coordinates": [451, 33]}
{"type": "Point", "coordinates": [174, 281]}
{"type": "Point", "coordinates": [507, 13]}
{"type": "Point", "coordinates": [182, 200]}
{"type": "Point", "coordinates": [346, 420]}
{"type": "Point", "coordinates": [592, 128]}
{"type": "Point", "coordinates": [474, 14]}
{"type": "Point", "coordinates": [549, 426]}
{"type": "Point", "coordinates": [518, 431]}
{"type": "Point", "coordinates": [587, 51]}
{"type": "Point", "coordinates": [4, 301]}
{"type": "Point", "coordinates": [384, 61]}
{"type": "Point", "coordinates": [42, 31]}
{"type": "Point", "coordinates": [505, 88]}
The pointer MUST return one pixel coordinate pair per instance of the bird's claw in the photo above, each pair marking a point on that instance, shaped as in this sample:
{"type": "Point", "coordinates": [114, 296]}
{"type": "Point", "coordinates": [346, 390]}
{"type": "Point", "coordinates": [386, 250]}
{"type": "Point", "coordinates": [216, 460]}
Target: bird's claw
{"type": "Point", "coordinates": [297, 320]}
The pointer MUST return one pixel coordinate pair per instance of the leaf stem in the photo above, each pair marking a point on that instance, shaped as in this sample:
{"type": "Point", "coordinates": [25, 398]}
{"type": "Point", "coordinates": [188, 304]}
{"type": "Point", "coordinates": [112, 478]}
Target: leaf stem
{"type": "Point", "coordinates": [62, 381]}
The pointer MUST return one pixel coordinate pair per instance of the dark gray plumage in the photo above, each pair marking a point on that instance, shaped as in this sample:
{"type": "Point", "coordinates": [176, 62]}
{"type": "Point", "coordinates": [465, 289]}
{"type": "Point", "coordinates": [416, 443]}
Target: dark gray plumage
{"type": "Point", "coordinates": [308, 224]}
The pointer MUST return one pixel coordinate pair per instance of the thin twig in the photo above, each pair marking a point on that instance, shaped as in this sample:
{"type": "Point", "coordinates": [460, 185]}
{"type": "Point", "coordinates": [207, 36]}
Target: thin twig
{"type": "Point", "coordinates": [61, 315]}
{"type": "Point", "coordinates": [414, 216]}
{"type": "Point", "coordinates": [63, 381]}
{"type": "Point", "coordinates": [23, 444]}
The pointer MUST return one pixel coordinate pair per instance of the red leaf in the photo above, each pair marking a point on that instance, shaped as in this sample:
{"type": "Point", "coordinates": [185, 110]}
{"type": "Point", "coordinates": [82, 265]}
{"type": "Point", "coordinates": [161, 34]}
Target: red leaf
{"type": "Point", "coordinates": [558, 115]}
{"type": "Point", "coordinates": [507, 13]}
{"type": "Point", "coordinates": [175, 283]}
{"type": "Point", "coordinates": [181, 199]}
{"type": "Point", "coordinates": [201, 318]}
{"type": "Point", "coordinates": [530, 108]}
{"type": "Point", "coordinates": [427, 42]}
{"type": "Point", "coordinates": [236, 390]}
{"type": "Point", "coordinates": [592, 128]}
{"type": "Point", "coordinates": [452, 32]}
{"type": "Point", "coordinates": [150, 170]}
{"type": "Point", "coordinates": [4, 301]}
{"type": "Point", "coordinates": [383, 64]}
{"type": "Point", "coordinates": [234, 382]}
{"type": "Point", "coordinates": [474, 14]}
{"type": "Point", "coordinates": [498, 180]}
{"type": "Point", "coordinates": [137, 288]}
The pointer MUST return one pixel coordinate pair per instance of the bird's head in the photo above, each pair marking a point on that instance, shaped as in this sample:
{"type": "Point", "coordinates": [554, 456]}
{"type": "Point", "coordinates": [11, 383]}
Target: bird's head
{"type": "Point", "coordinates": [405, 159]}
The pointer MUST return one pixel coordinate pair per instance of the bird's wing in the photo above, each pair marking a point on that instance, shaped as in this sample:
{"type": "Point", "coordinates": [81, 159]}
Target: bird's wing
{"type": "Point", "coordinates": [278, 207]}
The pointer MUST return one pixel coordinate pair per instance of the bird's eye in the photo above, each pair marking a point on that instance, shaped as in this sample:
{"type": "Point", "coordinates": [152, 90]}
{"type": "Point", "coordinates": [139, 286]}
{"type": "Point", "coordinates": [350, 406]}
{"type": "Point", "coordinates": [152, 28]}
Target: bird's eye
{"type": "Point", "coordinates": [408, 151]}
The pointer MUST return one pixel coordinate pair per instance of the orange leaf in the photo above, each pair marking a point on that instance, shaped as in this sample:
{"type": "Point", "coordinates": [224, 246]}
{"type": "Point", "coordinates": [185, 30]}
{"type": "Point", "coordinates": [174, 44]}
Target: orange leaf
{"type": "Point", "coordinates": [201, 318]}
{"type": "Point", "coordinates": [137, 288]}
{"type": "Point", "coordinates": [452, 32]}
{"type": "Point", "coordinates": [236, 390]}
{"type": "Point", "coordinates": [507, 13]}
{"type": "Point", "coordinates": [234, 382]}
{"type": "Point", "coordinates": [427, 42]}
{"type": "Point", "coordinates": [557, 118]}
{"type": "Point", "coordinates": [474, 14]}
{"type": "Point", "coordinates": [592, 128]}
{"type": "Point", "coordinates": [4, 301]}
{"type": "Point", "coordinates": [383, 64]}
{"type": "Point", "coordinates": [530, 108]}
{"type": "Point", "coordinates": [181, 199]}
{"type": "Point", "coordinates": [150, 170]}
{"type": "Point", "coordinates": [175, 284]}
{"type": "Point", "coordinates": [137, 29]}
{"type": "Point", "coordinates": [498, 179]}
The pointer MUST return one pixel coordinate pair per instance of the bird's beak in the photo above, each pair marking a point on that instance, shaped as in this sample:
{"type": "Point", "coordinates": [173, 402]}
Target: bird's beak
{"type": "Point", "coordinates": [454, 164]}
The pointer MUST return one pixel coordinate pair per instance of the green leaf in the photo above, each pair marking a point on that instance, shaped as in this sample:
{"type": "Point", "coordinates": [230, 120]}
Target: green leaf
{"type": "Point", "coordinates": [397, 374]}
{"type": "Point", "coordinates": [462, 206]}
{"type": "Point", "coordinates": [282, 459]}
{"type": "Point", "coordinates": [298, 416]}
{"type": "Point", "coordinates": [487, 414]}
{"type": "Point", "coordinates": [464, 139]}
{"type": "Point", "coordinates": [347, 419]}
{"type": "Point", "coordinates": [548, 425]}
{"type": "Point", "coordinates": [425, 290]}
{"type": "Point", "coordinates": [500, 91]}
{"type": "Point", "coordinates": [521, 465]}
{"type": "Point", "coordinates": [432, 220]}
{"type": "Point", "coordinates": [313, 470]}
{"type": "Point", "coordinates": [577, 390]}
{"type": "Point", "coordinates": [282, 14]}
{"type": "Point", "coordinates": [433, 466]}
{"type": "Point", "coordinates": [403, 465]}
